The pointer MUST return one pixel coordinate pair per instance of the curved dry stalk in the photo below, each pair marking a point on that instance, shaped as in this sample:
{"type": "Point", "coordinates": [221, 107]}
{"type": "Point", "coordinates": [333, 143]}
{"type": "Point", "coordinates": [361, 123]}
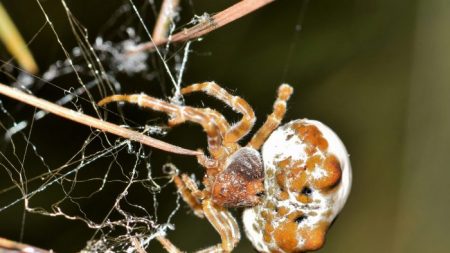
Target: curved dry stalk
{"type": "Point", "coordinates": [222, 18]}
{"type": "Point", "coordinates": [93, 122]}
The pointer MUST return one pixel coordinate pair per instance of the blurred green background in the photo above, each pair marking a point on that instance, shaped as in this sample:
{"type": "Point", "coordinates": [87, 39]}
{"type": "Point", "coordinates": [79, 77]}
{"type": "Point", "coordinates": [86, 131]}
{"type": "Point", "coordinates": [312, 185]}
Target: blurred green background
{"type": "Point", "coordinates": [377, 72]}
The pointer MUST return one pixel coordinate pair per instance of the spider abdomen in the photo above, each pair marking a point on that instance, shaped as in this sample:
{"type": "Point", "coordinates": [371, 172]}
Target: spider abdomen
{"type": "Point", "coordinates": [307, 181]}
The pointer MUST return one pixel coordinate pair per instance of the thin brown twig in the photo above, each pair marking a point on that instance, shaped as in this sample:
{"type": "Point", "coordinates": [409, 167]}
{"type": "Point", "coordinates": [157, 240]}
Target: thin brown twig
{"type": "Point", "coordinates": [12, 246]}
{"type": "Point", "coordinates": [220, 19]}
{"type": "Point", "coordinates": [93, 122]}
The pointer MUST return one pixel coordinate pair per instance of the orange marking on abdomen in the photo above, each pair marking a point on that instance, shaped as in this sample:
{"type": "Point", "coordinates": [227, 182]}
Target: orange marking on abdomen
{"type": "Point", "coordinates": [286, 236]}
{"type": "Point", "coordinates": [315, 238]}
{"type": "Point", "coordinates": [311, 135]}
{"type": "Point", "coordinates": [333, 170]}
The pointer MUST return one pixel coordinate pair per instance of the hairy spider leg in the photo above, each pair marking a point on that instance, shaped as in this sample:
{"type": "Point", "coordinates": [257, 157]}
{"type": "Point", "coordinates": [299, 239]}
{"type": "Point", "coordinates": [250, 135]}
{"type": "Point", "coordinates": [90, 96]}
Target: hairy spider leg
{"type": "Point", "coordinates": [216, 118]}
{"type": "Point", "coordinates": [216, 148]}
{"type": "Point", "coordinates": [168, 245]}
{"type": "Point", "coordinates": [213, 123]}
{"type": "Point", "coordinates": [190, 193]}
{"type": "Point", "coordinates": [220, 218]}
{"type": "Point", "coordinates": [213, 249]}
{"type": "Point", "coordinates": [224, 223]}
{"type": "Point", "coordinates": [241, 128]}
{"type": "Point", "coordinates": [274, 119]}
{"type": "Point", "coordinates": [171, 248]}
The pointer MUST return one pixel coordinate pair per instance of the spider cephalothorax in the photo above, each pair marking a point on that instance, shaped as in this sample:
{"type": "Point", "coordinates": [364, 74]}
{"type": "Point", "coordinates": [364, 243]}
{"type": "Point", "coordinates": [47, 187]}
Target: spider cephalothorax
{"type": "Point", "coordinates": [293, 191]}
{"type": "Point", "coordinates": [240, 184]}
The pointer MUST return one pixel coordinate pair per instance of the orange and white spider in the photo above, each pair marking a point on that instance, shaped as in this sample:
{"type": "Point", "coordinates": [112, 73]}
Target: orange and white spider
{"type": "Point", "coordinates": [292, 193]}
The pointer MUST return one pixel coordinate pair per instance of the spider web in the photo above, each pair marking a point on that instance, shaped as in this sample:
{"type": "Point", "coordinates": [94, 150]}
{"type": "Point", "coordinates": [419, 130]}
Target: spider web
{"type": "Point", "coordinates": [41, 175]}
{"type": "Point", "coordinates": [100, 166]}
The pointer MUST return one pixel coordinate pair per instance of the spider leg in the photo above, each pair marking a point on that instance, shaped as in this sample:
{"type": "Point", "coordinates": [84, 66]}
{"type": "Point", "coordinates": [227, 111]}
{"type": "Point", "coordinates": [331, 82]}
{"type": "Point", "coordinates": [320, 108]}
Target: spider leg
{"type": "Point", "coordinates": [220, 218]}
{"type": "Point", "coordinates": [216, 118]}
{"type": "Point", "coordinates": [168, 245]}
{"type": "Point", "coordinates": [192, 196]}
{"type": "Point", "coordinates": [241, 128]}
{"type": "Point", "coordinates": [215, 146]}
{"type": "Point", "coordinates": [213, 123]}
{"type": "Point", "coordinates": [274, 119]}
{"type": "Point", "coordinates": [213, 249]}
{"type": "Point", "coordinates": [190, 193]}
{"type": "Point", "coordinates": [170, 248]}
{"type": "Point", "coordinates": [225, 224]}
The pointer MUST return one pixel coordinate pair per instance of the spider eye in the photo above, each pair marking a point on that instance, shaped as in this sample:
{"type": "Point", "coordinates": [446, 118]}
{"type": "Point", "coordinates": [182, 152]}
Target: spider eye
{"type": "Point", "coordinates": [300, 218]}
{"type": "Point", "coordinates": [306, 191]}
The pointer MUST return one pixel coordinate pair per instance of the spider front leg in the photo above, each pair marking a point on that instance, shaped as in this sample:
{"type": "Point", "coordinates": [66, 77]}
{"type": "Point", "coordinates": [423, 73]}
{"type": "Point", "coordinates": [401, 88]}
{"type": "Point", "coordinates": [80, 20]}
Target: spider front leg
{"type": "Point", "coordinates": [213, 123]}
{"type": "Point", "coordinates": [274, 119]}
{"type": "Point", "coordinates": [241, 128]}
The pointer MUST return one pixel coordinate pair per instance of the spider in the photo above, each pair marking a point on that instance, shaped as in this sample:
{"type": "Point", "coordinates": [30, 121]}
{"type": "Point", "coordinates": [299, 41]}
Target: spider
{"type": "Point", "coordinates": [292, 192]}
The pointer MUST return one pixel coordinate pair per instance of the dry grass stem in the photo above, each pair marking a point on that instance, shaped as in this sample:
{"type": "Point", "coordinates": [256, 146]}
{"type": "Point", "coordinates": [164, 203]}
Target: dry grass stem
{"type": "Point", "coordinates": [93, 122]}
{"type": "Point", "coordinates": [11, 246]}
{"type": "Point", "coordinates": [15, 43]}
{"type": "Point", "coordinates": [212, 23]}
